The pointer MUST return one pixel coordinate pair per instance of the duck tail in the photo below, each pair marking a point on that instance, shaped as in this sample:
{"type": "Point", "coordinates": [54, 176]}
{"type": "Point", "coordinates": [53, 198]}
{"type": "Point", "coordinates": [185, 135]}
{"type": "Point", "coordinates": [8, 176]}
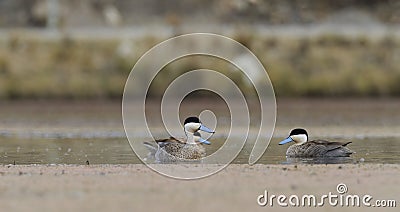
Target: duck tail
{"type": "Point", "coordinates": [345, 144]}
{"type": "Point", "coordinates": [151, 147]}
{"type": "Point", "coordinates": [347, 152]}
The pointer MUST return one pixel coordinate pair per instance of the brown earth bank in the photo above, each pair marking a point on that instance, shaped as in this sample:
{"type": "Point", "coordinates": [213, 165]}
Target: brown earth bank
{"type": "Point", "coordinates": [236, 188]}
{"type": "Point", "coordinates": [327, 64]}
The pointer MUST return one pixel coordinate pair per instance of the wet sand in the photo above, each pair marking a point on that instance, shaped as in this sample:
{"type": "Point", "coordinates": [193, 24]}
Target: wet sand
{"type": "Point", "coordinates": [137, 188]}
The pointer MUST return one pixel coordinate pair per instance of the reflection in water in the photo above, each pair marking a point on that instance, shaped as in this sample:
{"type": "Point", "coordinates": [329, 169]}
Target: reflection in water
{"type": "Point", "coordinates": [326, 160]}
{"type": "Point", "coordinates": [118, 151]}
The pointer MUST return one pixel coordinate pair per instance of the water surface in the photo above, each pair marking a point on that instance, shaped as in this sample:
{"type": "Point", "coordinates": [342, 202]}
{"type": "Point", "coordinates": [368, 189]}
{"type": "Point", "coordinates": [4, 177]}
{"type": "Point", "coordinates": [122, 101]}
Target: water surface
{"type": "Point", "coordinates": [118, 151]}
{"type": "Point", "coordinates": [65, 132]}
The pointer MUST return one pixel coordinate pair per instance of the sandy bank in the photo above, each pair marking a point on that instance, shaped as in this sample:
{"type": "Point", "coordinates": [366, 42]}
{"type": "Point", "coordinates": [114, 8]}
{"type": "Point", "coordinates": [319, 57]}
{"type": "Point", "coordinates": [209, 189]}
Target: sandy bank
{"type": "Point", "coordinates": [137, 188]}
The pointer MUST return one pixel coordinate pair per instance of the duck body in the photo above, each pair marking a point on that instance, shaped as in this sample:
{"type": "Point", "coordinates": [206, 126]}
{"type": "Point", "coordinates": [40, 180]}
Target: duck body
{"type": "Point", "coordinates": [319, 148]}
{"type": "Point", "coordinates": [173, 150]}
{"type": "Point", "coordinates": [315, 148]}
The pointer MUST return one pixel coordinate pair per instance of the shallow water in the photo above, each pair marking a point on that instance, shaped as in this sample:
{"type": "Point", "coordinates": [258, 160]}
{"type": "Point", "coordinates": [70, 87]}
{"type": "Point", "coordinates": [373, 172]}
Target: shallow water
{"type": "Point", "coordinates": [118, 151]}
{"type": "Point", "coordinates": [76, 132]}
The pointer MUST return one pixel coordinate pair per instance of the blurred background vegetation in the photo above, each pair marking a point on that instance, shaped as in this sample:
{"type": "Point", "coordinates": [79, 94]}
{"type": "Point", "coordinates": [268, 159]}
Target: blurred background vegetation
{"type": "Point", "coordinates": [85, 49]}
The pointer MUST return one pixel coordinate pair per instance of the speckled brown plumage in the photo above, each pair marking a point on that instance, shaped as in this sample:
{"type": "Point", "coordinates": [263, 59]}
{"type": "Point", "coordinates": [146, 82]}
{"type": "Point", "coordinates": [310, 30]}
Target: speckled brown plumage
{"type": "Point", "coordinates": [172, 149]}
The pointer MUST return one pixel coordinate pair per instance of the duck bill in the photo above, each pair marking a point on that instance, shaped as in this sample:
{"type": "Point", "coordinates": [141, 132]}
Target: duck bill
{"type": "Point", "coordinates": [287, 140]}
{"type": "Point", "coordinates": [205, 129]}
{"type": "Point", "coordinates": [204, 141]}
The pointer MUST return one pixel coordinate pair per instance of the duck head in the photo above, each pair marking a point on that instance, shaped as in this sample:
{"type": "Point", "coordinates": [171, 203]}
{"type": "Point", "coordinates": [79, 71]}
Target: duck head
{"type": "Point", "coordinates": [193, 124]}
{"type": "Point", "coordinates": [298, 135]}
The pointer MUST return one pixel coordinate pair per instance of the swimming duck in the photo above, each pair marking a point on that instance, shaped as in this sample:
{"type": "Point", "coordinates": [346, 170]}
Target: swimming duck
{"type": "Point", "coordinates": [172, 149]}
{"type": "Point", "coordinates": [316, 148]}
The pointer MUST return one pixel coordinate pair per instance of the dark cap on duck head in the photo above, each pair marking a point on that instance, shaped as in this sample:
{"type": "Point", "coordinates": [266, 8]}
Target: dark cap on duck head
{"type": "Point", "coordinates": [298, 131]}
{"type": "Point", "coordinates": [192, 119]}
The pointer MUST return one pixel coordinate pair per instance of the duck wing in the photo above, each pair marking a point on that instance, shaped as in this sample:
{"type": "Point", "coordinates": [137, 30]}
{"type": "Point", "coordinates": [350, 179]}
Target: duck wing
{"type": "Point", "coordinates": [167, 141]}
{"type": "Point", "coordinates": [329, 148]}
{"type": "Point", "coordinates": [330, 145]}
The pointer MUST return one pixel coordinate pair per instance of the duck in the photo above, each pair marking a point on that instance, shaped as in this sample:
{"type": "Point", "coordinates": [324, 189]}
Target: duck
{"type": "Point", "coordinates": [303, 148]}
{"type": "Point", "coordinates": [172, 150]}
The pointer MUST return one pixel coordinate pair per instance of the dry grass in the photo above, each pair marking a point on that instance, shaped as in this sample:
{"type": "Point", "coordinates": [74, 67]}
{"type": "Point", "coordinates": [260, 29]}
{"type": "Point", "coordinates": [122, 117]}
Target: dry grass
{"type": "Point", "coordinates": [333, 66]}
{"type": "Point", "coordinates": [320, 66]}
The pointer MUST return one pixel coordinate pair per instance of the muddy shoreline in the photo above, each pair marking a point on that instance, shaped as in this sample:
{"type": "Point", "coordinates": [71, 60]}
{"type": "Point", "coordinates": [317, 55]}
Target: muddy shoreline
{"type": "Point", "coordinates": [136, 188]}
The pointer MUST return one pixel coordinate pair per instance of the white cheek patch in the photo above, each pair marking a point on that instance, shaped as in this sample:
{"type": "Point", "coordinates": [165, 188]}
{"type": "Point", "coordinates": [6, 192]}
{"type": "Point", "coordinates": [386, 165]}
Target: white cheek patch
{"type": "Point", "coordinates": [302, 138]}
{"type": "Point", "coordinates": [192, 127]}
